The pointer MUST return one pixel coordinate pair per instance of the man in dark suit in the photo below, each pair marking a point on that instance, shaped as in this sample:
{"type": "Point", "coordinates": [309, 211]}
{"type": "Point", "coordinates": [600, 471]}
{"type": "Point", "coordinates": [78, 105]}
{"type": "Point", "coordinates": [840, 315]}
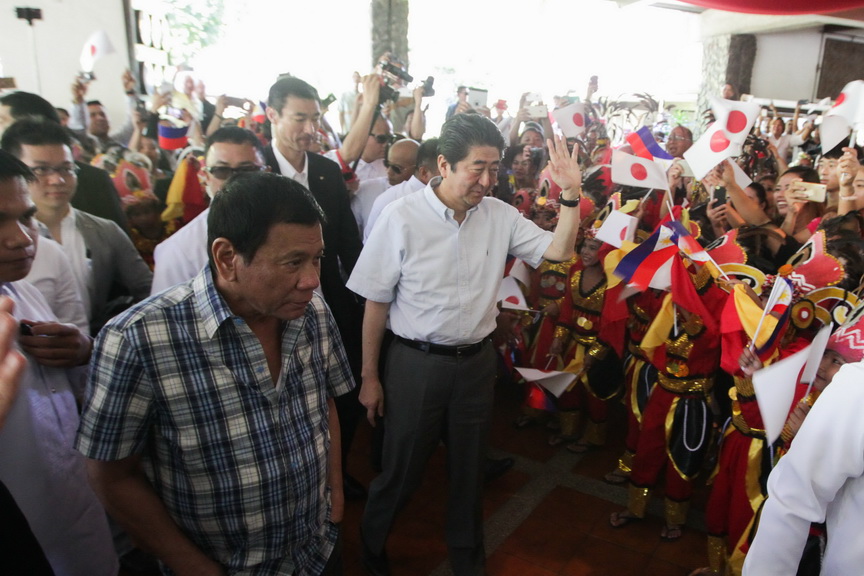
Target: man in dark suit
{"type": "Point", "coordinates": [294, 111]}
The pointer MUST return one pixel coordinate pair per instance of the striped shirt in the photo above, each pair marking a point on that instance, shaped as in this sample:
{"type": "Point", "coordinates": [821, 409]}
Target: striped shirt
{"type": "Point", "coordinates": [240, 463]}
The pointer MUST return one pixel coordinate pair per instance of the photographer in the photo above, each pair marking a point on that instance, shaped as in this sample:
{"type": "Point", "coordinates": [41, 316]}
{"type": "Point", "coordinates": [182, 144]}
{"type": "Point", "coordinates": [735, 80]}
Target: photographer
{"type": "Point", "coordinates": [525, 116]}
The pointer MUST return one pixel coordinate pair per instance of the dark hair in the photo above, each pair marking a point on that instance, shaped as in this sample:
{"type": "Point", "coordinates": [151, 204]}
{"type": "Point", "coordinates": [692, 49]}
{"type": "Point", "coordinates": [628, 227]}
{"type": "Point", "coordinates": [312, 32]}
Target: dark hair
{"type": "Point", "coordinates": [290, 86]}
{"type": "Point", "coordinates": [464, 131]}
{"type": "Point", "coordinates": [94, 103]}
{"type": "Point", "coordinates": [686, 130]}
{"type": "Point", "coordinates": [427, 154]}
{"type": "Point", "coordinates": [251, 203]}
{"type": "Point", "coordinates": [60, 109]}
{"type": "Point", "coordinates": [835, 152]}
{"type": "Point", "coordinates": [806, 174]}
{"type": "Point", "coordinates": [461, 88]}
{"type": "Point", "coordinates": [234, 135]}
{"type": "Point", "coordinates": [33, 133]}
{"type": "Point", "coordinates": [759, 189]}
{"type": "Point", "coordinates": [12, 167]}
{"type": "Point", "coordinates": [24, 104]}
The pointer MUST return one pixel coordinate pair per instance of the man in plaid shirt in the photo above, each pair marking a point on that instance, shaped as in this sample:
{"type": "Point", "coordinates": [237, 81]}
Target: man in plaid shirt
{"type": "Point", "coordinates": [209, 420]}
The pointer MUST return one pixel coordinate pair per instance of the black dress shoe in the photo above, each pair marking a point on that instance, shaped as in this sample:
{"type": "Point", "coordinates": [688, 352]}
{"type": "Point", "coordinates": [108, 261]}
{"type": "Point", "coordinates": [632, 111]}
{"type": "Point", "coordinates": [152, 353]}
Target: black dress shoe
{"type": "Point", "coordinates": [375, 564]}
{"type": "Point", "coordinates": [352, 488]}
{"type": "Point", "coordinates": [497, 468]}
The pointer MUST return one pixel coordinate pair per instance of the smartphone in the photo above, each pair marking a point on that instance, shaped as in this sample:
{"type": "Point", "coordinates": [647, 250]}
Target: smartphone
{"type": "Point", "coordinates": [719, 196]}
{"type": "Point", "coordinates": [477, 97]}
{"type": "Point", "coordinates": [813, 192]}
{"type": "Point", "coordinates": [86, 77]}
{"type": "Point", "coordinates": [235, 101]}
{"type": "Point", "coordinates": [25, 329]}
{"type": "Point", "coordinates": [330, 99]}
{"type": "Point", "coordinates": [537, 111]}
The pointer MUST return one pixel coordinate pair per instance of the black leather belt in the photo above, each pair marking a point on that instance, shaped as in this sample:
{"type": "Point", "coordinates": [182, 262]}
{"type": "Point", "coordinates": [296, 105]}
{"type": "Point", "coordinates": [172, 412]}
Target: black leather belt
{"type": "Point", "coordinates": [457, 351]}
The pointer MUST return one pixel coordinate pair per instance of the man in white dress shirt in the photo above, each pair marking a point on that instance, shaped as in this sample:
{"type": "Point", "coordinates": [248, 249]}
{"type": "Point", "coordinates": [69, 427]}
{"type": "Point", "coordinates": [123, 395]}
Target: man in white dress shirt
{"type": "Point", "coordinates": [434, 263]}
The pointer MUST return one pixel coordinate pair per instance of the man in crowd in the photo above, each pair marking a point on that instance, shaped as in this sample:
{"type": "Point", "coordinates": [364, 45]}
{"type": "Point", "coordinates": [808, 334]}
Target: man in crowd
{"type": "Point", "coordinates": [294, 111]}
{"type": "Point", "coordinates": [210, 421]}
{"type": "Point", "coordinates": [91, 119]}
{"type": "Point", "coordinates": [461, 105]}
{"type": "Point", "coordinates": [230, 150]}
{"type": "Point", "coordinates": [679, 141]}
{"type": "Point", "coordinates": [401, 162]}
{"type": "Point", "coordinates": [441, 367]}
{"type": "Point", "coordinates": [44, 474]}
{"type": "Point", "coordinates": [427, 168]}
{"type": "Point", "coordinates": [95, 193]}
{"type": "Point", "coordinates": [100, 253]}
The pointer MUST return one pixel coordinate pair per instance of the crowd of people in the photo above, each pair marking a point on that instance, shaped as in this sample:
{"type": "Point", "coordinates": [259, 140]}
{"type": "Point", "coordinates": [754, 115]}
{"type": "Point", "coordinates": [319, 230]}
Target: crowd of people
{"type": "Point", "coordinates": [205, 308]}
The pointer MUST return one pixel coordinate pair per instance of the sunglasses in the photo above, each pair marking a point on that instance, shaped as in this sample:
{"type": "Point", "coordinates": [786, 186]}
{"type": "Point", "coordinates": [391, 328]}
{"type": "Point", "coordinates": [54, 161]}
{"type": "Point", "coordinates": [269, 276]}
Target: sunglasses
{"type": "Point", "coordinates": [395, 167]}
{"type": "Point", "coordinates": [382, 138]}
{"type": "Point", "coordinates": [225, 172]}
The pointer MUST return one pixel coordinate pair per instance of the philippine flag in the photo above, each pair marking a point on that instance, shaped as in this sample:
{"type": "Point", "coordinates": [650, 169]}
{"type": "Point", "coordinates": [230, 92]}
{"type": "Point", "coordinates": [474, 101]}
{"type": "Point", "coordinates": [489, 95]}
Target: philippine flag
{"type": "Point", "coordinates": [645, 146]}
{"type": "Point", "coordinates": [171, 138]}
{"type": "Point", "coordinates": [639, 267]}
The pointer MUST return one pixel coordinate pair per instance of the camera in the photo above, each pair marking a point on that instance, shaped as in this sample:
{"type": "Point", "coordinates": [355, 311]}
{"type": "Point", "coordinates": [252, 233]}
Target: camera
{"type": "Point", "coordinates": [394, 77]}
{"type": "Point", "coordinates": [86, 77]}
{"type": "Point", "coordinates": [428, 90]}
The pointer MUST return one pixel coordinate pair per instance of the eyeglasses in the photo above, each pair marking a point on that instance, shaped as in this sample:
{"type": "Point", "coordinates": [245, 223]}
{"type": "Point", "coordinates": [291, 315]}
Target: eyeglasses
{"type": "Point", "coordinates": [62, 171]}
{"type": "Point", "coordinates": [225, 172]}
{"type": "Point", "coordinates": [679, 139]}
{"type": "Point", "coordinates": [382, 138]}
{"type": "Point", "coordinates": [395, 167]}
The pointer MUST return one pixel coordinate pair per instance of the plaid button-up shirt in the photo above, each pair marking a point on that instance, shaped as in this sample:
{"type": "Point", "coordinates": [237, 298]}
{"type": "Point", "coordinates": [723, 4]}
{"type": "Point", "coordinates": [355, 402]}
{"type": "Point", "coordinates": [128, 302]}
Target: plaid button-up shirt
{"type": "Point", "coordinates": [240, 463]}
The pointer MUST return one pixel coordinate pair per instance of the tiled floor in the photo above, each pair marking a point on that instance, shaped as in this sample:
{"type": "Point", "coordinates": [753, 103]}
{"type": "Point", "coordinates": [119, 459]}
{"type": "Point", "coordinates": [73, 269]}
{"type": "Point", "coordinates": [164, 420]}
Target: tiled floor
{"type": "Point", "coordinates": [547, 516]}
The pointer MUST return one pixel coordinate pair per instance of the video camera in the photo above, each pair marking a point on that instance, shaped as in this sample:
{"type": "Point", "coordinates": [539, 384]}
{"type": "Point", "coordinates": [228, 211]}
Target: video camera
{"type": "Point", "coordinates": [396, 76]}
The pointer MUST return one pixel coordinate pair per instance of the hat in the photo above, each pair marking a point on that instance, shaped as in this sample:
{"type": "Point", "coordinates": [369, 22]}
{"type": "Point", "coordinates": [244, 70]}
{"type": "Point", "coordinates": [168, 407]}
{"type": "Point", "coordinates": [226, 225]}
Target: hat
{"type": "Point", "coordinates": [848, 340]}
{"type": "Point", "coordinates": [535, 127]}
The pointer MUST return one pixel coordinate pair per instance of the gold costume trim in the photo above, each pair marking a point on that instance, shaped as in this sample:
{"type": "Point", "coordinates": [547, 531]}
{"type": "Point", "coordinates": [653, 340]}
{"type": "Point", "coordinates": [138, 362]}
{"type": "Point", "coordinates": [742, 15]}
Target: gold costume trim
{"type": "Point", "coordinates": [717, 554]}
{"type": "Point", "coordinates": [685, 385]}
{"type": "Point", "coordinates": [625, 462]}
{"type": "Point", "coordinates": [637, 500]}
{"type": "Point", "coordinates": [595, 433]}
{"type": "Point", "coordinates": [569, 423]}
{"type": "Point", "coordinates": [676, 512]}
{"type": "Point", "coordinates": [744, 386]}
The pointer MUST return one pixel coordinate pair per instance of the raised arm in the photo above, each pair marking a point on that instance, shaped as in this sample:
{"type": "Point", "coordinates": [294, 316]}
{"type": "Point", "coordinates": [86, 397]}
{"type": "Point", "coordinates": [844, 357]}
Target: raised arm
{"type": "Point", "coordinates": [565, 171]}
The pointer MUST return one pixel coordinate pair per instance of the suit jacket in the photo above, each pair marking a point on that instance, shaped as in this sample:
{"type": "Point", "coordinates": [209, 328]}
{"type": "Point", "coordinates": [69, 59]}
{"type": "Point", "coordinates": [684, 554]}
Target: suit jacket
{"type": "Point", "coordinates": [96, 195]}
{"type": "Point", "coordinates": [114, 259]}
{"type": "Point", "coordinates": [342, 243]}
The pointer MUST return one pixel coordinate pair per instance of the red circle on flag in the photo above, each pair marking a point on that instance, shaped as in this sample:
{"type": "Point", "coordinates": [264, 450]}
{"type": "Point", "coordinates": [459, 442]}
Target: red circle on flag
{"type": "Point", "coordinates": [719, 142]}
{"type": "Point", "coordinates": [840, 99]}
{"type": "Point", "coordinates": [737, 122]}
{"type": "Point", "coordinates": [638, 172]}
{"type": "Point", "coordinates": [92, 50]}
{"type": "Point", "coordinates": [512, 299]}
{"type": "Point", "coordinates": [578, 119]}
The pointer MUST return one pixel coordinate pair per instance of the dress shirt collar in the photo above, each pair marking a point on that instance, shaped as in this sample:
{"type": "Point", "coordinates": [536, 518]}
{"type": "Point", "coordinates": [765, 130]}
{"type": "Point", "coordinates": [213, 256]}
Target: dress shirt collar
{"type": "Point", "coordinates": [437, 205]}
{"type": "Point", "coordinates": [287, 169]}
{"type": "Point", "coordinates": [212, 308]}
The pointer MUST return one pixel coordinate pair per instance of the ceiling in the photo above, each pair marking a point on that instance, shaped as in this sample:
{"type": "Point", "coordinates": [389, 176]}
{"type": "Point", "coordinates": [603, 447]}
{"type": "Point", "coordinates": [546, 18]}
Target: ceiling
{"type": "Point", "coordinates": [716, 22]}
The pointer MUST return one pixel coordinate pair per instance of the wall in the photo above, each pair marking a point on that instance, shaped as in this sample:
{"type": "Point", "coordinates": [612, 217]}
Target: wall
{"type": "Point", "coordinates": [58, 38]}
{"type": "Point", "coordinates": [785, 66]}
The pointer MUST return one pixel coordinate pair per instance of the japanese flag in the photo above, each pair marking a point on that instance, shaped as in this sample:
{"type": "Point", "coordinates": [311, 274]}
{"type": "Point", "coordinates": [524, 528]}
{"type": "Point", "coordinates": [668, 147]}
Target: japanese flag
{"type": "Point", "coordinates": [713, 147]}
{"type": "Point", "coordinates": [97, 46]}
{"type": "Point", "coordinates": [571, 119]}
{"type": "Point", "coordinates": [846, 114]}
{"type": "Point", "coordinates": [736, 118]}
{"type": "Point", "coordinates": [617, 228]}
{"type": "Point", "coordinates": [631, 170]}
{"type": "Point", "coordinates": [510, 295]}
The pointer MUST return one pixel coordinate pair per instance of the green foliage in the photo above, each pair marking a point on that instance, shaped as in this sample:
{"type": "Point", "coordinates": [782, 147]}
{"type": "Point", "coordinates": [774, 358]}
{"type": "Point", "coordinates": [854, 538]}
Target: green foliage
{"type": "Point", "coordinates": [195, 24]}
